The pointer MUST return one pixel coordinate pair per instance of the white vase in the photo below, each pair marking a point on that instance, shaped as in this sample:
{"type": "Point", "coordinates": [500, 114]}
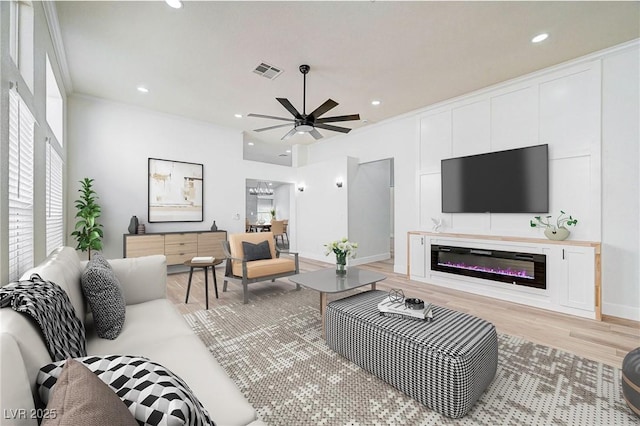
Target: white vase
{"type": "Point", "coordinates": [557, 234]}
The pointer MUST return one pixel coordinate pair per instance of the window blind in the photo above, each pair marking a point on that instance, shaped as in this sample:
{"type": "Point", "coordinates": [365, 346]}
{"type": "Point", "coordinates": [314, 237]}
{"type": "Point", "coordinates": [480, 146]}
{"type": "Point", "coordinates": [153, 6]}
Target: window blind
{"type": "Point", "coordinates": [21, 124]}
{"type": "Point", "coordinates": [54, 222]}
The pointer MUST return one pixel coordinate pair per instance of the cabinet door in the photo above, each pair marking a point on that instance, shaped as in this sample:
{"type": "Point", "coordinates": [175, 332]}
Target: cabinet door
{"type": "Point", "coordinates": [578, 273]}
{"type": "Point", "coordinates": [210, 244]}
{"type": "Point", "coordinates": [143, 245]}
{"type": "Point", "coordinates": [417, 259]}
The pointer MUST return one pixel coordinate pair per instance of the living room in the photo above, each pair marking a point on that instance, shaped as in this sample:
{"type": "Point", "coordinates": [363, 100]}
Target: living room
{"type": "Point", "coordinates": [592, 135]}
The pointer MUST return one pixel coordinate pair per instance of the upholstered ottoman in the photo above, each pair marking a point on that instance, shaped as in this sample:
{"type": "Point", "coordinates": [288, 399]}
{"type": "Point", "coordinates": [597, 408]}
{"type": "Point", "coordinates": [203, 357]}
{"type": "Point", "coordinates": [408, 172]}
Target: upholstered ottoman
{"type": "Point", "coordinates": [445, 364]}
{"type": "Point", "coordinates": [631, 380]}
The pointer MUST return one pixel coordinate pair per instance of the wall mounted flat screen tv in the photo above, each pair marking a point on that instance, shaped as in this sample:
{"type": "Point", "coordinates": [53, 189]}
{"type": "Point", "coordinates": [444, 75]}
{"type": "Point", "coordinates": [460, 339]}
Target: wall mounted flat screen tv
{"type": "Point", "coordinates": [512, 181]}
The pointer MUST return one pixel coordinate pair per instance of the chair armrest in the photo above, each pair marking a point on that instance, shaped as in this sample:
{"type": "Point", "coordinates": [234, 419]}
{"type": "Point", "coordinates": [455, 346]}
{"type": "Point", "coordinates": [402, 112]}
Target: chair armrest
{"type": "Point", "coordinates": [291, 253]}
{"type": "Point", "coordinates": [142, 278]}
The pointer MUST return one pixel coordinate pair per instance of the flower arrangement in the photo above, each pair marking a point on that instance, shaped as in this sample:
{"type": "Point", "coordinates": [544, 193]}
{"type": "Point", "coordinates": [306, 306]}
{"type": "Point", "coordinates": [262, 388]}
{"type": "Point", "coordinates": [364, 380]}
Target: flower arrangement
{"type": "Point", "coordinates": [561, 221]}
{"type": "Point", "coordinates": [342, 248]}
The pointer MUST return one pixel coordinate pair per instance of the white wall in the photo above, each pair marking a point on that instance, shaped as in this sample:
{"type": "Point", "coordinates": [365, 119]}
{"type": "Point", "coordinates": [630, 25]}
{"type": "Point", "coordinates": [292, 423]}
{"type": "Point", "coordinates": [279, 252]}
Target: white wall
{"type": "Point", "coordinates": [322, 213]}
{"type": "Point", "coordinates": [111, 142]}
{"type": "Point", "coordinates": [620, 183]}
{"type": "Point", "coordinates": [586, 110]}
{"type": "Point", "coordinates": [395, 139]}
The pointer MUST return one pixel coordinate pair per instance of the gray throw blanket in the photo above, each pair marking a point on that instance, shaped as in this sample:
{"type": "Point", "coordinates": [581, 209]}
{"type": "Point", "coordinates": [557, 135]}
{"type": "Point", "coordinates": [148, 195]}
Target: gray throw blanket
{"type": "Point", "coordinates": [50, 307]}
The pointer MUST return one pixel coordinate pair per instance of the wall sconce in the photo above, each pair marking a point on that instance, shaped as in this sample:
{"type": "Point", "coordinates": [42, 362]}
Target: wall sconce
{"type": "Point", "coordinates": [301, 188]}
{"type": "Point", "coordinates": [339, 183]}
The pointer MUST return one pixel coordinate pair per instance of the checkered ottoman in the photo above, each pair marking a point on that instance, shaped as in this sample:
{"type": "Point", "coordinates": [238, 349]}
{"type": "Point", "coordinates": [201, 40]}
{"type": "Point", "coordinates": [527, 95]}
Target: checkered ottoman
{"type": "Point", "coordinates": [445, 364]}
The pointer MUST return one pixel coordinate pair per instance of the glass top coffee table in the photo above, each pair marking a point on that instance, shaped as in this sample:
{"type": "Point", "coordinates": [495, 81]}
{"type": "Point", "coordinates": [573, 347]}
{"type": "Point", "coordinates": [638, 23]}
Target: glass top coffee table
{"type": "Point", "coordinates": [327, 281]}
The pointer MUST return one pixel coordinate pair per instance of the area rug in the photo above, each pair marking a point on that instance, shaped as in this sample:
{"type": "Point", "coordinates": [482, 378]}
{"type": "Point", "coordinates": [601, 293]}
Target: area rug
{"type": "Point", "coordinates": [273, 350]}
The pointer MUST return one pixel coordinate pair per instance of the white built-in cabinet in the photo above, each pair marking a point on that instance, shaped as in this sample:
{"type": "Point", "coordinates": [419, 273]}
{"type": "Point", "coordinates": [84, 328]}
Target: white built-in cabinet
{"type": "Point", "coordinates": [573, 271]}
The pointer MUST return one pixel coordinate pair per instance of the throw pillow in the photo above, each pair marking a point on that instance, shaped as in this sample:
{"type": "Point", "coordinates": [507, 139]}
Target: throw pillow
{"type": "Point", "coordinates": [153, 394]}
{"type": "Point", "coordinates": [256, 251]}
{"type": "Point", "coordinates": [97, 257]}
{"type": "Point", "coordinates": [81, 398]}
{"type": "Point", "coordinates": [102, 290]}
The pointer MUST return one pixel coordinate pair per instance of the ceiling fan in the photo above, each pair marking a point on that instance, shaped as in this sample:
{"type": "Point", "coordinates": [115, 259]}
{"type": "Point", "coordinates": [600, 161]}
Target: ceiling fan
{"type": "Point", "coordinates": [308, 123]}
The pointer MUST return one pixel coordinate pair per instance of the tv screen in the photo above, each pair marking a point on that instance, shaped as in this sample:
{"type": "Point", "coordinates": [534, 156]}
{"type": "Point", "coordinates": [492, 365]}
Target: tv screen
{"type": "Point", "coordinates": [512, 181]}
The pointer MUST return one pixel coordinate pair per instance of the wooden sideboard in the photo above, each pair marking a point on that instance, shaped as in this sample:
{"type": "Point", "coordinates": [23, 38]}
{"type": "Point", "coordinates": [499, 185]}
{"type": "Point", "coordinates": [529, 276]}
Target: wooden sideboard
{"type": "Point", "coordinates": [176, 246]}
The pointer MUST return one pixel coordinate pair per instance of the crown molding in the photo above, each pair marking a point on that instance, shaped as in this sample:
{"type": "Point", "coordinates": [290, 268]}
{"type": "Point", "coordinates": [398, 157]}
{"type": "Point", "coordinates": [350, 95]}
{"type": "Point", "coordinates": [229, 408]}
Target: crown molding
{"type": "Point", "coordinates": [51, 15]}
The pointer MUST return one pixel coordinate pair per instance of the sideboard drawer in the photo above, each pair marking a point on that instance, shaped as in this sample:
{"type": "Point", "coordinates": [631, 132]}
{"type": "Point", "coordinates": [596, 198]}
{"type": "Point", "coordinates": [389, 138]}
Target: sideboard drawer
{"type": "Point", "coordinates": [143, 245]}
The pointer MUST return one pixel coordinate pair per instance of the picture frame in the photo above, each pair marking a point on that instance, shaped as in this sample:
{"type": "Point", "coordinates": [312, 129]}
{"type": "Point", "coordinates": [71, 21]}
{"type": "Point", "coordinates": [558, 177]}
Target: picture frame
{"type": "Point", "coordinates": [176, 191]}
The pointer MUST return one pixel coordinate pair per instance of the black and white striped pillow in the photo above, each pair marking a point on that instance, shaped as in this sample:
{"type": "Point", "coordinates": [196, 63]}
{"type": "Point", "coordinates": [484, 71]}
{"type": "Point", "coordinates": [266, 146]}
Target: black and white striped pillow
{"type": "Point", "coordinates": [153, 394]}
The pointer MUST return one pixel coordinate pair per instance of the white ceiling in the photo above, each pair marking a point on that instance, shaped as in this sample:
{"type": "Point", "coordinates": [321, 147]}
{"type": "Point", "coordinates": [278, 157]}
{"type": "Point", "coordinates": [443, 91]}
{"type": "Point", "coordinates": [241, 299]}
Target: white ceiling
{"type": "Point", "coordinates": [197, 61]}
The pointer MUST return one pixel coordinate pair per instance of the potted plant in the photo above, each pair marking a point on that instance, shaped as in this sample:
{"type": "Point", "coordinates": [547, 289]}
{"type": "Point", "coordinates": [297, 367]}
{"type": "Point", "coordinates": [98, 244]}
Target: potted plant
{"type": "Point", "coordinates": [556, 231]}
{"type": "Point", "coordinates": [88, 231]}
{"type": "Point", "coordinates": [273, 214]}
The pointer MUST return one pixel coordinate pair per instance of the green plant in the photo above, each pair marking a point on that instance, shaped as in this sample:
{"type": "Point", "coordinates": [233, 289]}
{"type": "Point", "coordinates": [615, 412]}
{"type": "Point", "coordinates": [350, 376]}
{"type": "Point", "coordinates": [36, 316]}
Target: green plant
{"type": "Point", "coordinates": [562, 220]}
{"type": "Point", "coordinates": [273, 213]}
{"type": "Point", "coordinates": [88, 231]}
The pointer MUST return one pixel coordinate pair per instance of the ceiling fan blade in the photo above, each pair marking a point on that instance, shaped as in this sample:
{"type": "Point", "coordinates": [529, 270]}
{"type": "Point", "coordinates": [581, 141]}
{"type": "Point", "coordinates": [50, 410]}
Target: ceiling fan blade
{"type": "Point", "coordinates": [338, 118]}
{"type": "Point", "coordinates": [289, 107]}
{"type": "Point", "coordinates": [316, 134]}
{"type": "Point", "coordinates": [326, 106]}
{"type": "Point", "coordinates": [333, 128]}
{"type": "Point", "coordinates": [270, 116]}
{"type": "Point", "coordinates": [271, 127]}
{"type": "Point", "coordinates": [288, 135]}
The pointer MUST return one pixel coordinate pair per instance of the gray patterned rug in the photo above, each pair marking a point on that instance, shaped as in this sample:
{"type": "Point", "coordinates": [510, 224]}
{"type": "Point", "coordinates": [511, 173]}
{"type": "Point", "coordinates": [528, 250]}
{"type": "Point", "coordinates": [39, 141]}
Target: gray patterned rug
{"type": "Point", "coordinates": [273, 350]}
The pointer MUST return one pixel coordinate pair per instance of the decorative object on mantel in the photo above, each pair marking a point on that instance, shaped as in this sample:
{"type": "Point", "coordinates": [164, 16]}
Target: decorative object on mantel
{"type": "Point", "coordinates": [214, 227]}
{"type": "Point", "coordinates": [133, 225]}
{"type": "Point", "coordinates": [556, 232]}
{"type": "Point", "coordinates": [88, 231]}
{"type": "Point", "coordinates": [437, 223]}
{"type": "Point", "coordinates": [342, 248]}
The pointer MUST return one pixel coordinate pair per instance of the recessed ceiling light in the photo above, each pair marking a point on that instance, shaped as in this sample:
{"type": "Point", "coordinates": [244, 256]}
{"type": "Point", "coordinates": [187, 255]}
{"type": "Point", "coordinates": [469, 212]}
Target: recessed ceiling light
{"type": "Point", "coordinates": [176, 4]}
{"type": "Point", "coordinates": [301, 133]}
{"type": "Point", "coordinates": [288, 151]}
{"type": "Point", "coordinates": [250, 143]}
{"type": "Point", "coordinates": [142, 89]}
{"type": "Point", "coordinates": [237, 115]}
{"type": "Point", "coordinates": [375, 103]}
{"type": "Point", "coordinates": [539, 38]}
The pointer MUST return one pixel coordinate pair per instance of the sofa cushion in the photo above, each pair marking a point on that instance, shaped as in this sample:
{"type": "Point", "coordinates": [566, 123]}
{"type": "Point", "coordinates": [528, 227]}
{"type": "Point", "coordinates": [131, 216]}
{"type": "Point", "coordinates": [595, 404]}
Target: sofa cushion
{"type": "Point", "coordinates": [153, 394]}
{"type": "Point", "coordinates": [81, 398]}
{"type": "Point", "coordinates": [258, 251]}
{"type": "Point", "coordinates": [104, 295]}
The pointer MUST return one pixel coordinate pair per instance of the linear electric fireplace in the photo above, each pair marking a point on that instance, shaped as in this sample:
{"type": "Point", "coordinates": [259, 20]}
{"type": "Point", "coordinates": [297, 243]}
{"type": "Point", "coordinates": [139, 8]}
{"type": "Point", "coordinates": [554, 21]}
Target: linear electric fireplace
{"type": "Point", "coordinates": [510, 267]}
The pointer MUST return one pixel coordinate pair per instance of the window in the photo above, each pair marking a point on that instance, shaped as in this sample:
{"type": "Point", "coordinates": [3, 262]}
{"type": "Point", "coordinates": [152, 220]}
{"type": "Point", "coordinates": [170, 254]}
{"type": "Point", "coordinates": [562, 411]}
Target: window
{"type": "Point", "coordinates": [54, 219]}
{"type": "Point", "coordinates": [264, 208]}
{"type": "Point", "coordinates": [21, 124]}
{"type": "Point", "coordinates": [21, 38]}
{"type": "Point", "coordinates": [54, 104]}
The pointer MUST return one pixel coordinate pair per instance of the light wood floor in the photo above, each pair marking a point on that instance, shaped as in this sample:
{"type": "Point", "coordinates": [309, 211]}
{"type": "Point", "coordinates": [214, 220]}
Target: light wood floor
{"type": "Point", "coordinates": [607, 341]}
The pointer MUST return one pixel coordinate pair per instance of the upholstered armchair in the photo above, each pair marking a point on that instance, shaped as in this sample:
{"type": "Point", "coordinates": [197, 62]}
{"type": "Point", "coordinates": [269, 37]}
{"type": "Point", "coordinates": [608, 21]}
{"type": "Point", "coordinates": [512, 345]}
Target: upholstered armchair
{"type": "Point", "coordinates": [253, 257]}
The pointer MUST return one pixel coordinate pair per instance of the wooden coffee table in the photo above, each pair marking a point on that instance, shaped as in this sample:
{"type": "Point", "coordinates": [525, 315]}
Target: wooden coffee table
{"type": "Point", "coordinates": [327, 281]}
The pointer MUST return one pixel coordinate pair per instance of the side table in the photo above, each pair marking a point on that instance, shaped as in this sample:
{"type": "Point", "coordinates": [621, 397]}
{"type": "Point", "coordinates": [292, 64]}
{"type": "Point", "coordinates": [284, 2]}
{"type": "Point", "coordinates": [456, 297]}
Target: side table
{"type": "Point", "coordinates": [206, 267]}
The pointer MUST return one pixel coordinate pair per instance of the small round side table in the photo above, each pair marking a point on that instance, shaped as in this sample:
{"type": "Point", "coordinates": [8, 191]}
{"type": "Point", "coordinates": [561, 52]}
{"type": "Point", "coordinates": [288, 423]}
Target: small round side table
{"type": "Point", "coordinates": [205, 266]}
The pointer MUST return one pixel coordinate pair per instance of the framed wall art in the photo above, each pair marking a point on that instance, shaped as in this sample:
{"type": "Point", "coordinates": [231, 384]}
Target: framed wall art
{"type": "Point", "coordinates": [175, 191]}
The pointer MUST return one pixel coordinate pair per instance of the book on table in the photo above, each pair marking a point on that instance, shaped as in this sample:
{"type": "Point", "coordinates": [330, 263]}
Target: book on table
{"type": "Point", "coordinates": [203, 259]}
{"type": "Point", "coordinates": [391, 308]}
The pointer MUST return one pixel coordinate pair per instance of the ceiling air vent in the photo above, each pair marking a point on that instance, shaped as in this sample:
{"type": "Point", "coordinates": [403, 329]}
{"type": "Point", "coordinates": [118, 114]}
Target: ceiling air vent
{"type": "Point", "coordinates": [267, 71]}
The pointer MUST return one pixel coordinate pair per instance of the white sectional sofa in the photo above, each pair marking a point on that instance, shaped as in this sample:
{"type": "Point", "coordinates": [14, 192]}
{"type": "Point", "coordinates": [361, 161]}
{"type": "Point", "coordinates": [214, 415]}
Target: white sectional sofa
{"type": "Point", "coordinates": [153, 329]}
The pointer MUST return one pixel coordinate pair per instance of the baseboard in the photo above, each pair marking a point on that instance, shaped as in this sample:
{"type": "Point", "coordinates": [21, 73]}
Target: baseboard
{"type": "Point", "coordinates": [369, 259]}
{"type": "Point", "coordinates": [621, 311]}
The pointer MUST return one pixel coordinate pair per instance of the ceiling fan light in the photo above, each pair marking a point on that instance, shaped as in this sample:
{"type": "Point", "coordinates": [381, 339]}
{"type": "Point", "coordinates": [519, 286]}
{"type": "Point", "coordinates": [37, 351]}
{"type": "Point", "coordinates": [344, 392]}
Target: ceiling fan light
{"type": "Point", "coordinates": [304, 128]}
{"type": "Point", "coordinates": [176, 4]}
